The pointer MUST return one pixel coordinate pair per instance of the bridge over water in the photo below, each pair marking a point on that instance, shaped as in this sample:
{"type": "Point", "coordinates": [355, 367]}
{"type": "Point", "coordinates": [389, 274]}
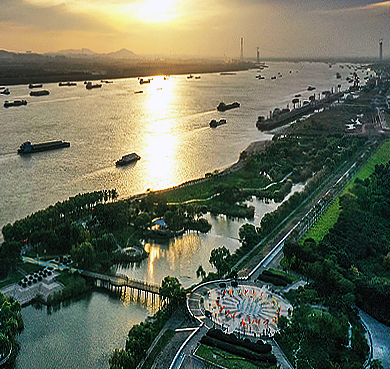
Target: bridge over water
{"type": "Point", "coordinates": [121, 283]}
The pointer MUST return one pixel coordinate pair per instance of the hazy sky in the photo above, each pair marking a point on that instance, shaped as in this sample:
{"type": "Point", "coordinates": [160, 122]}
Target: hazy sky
{"type": "Point", "coordinates": [280, 28]}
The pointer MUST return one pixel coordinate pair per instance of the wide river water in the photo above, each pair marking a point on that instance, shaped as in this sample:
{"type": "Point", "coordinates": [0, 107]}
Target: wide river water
{"type": "Point", "coordinates": [167, 125]}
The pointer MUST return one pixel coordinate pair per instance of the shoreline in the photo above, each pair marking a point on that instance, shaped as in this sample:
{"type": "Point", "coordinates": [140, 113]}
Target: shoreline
{"type": "Point", "coordinates": [86, 70]}
{"type": "Point", "coordinates": [252, 148]}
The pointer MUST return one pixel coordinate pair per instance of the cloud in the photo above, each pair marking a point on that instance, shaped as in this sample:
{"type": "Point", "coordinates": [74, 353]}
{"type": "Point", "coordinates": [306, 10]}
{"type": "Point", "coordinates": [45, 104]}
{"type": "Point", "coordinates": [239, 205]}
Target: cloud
{"type": "Point", "coordinates": [49, 18]}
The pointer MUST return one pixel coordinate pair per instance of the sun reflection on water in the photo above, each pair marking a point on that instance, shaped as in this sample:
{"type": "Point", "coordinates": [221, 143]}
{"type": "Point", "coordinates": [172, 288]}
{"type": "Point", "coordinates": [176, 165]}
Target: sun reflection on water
{"type": "Point", "coordinates": [162, 143]}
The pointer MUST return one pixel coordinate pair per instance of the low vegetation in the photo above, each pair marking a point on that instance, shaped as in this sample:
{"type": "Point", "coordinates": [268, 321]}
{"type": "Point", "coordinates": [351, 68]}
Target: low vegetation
{"type": "Point", "coordinates": [11, 324]}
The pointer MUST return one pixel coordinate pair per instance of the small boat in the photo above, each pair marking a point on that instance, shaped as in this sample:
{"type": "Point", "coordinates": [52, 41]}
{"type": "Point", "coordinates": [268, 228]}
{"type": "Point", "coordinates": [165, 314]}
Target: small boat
{"type": "Point", "coordinates": [38, 85]}
{"type": "Point", "coordinates": [190, 76]}
{"type": "Point", "coordinates": [227, 74]}
{"type": "Point", "coordinates": [5, 92]}
{"type": "Point", "coordinates": [104, 81]}
{"type": "Point", "coordinates": [8, 104]}
{"type": "Point", "coordinates": [260, 77]}
{"type": "Point", "coordinates": [338, 75]}
{"type": "Point", "coordinates": [39, 93]}
{"type": "Point", "coordinates": [223, 107]}
{"type": "Point", "coordinates": [298, 95]}
{"type": "Point", "coordinates": [197, 77]}
{"type": "Point", "coordinates": [214, 123]}
{"type": "Point", "coordinates": [61, 84]}
{"type": "Point", "coordinates": [143, 81]}
{"type": "Point", "coordinates": [311, 88]}
{"type": "Point", "coordinates": [127, 159]}
{"type": "Point", "coordinates": [90, 86]}
{"type": "Point", "coordinates": [29, 148]}
{"type": "Point", "coordinates": [273, 77]}
{"type": "Point", "coordinates": [138, 92]}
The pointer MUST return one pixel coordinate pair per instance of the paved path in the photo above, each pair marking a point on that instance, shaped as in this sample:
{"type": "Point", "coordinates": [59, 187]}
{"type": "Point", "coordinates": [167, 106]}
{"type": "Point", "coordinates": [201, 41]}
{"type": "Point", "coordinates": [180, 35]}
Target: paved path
{"type": "Point", "coordinates": [380, 336]}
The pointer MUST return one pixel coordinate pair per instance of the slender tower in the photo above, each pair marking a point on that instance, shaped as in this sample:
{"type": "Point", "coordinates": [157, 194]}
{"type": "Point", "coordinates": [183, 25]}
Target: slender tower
{"type": "Point", "coordinates": [381, 50]}
{"type": "Point", "coordinates": [242, 48]}
{"type": "Point", "coordinates": [258, 56]}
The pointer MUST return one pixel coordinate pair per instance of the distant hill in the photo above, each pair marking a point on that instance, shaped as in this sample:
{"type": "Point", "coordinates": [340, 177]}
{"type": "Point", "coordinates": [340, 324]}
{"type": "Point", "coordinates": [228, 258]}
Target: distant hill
{"type": "Point", "coordinates": [122, 54]}
{"type": "Point", "coordinates": [87, 53]}
{"type": "Point", "coordinates": [74, 52]}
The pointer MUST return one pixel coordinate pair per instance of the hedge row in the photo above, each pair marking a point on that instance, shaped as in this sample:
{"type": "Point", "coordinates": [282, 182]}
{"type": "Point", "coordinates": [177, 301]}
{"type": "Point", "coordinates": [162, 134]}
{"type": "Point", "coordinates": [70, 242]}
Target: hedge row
{"type": "Point", "coordinates": [239, 351]}
{"type": "Point", "coordinates": [259, 347]}
{"type": "Point", "coordinates": [272, 279]}
{"type": "Point", "coordinates": [272, 274]}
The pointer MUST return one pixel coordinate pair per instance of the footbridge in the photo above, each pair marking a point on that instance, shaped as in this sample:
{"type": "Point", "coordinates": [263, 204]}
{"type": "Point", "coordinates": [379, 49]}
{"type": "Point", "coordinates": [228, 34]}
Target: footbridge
{"type": "Point", "coordinates": [121, 282]}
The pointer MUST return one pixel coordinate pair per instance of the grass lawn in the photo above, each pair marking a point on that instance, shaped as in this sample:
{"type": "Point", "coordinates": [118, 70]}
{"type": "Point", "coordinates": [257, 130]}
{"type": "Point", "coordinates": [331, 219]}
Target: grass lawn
{"type": "Point", "coordinates": [30, 268]}
{"type": "Point", "coordinates": [164, 339]}
{"type": "Point", "coordinates": [225, 359]}
{"type": "Point", "coordinates": [329, 218]}
{"type": "Point", "coordinates": [204, 190]}
{"type": "Point", "coordinates": [17, 275]}
{"type": "Point", "coordinates": [66, 278]}
{"type": "Point", "coordinates": [326, 222]}
{"type": "Point", "coordinates": [381, 156]}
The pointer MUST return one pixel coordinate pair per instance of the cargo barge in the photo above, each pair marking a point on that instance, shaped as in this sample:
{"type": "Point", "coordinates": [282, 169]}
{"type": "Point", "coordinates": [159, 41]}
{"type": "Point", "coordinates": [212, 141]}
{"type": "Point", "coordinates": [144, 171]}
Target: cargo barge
{"type": "Point", "coordinates": [215, 123]}
{"type": "Point", "coordinates": [223, 107]}
{"type": "Point", "coordinates": [8, 104]}
{"type": "Point", "coordinates": [29, 148]}
{"type": "Point", "coordinates": [39, 93]}
{"type": "Point", "coordinates": [127, 159]}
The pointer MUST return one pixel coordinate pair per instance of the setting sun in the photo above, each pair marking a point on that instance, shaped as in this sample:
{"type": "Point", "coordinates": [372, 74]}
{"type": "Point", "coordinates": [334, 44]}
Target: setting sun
{"type": "Point", "coordinates": [156, 11]}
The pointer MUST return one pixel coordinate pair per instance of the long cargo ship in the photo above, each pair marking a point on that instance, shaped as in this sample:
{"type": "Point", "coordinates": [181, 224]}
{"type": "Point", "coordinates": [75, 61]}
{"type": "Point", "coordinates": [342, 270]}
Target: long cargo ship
{"type": "Point", "coordinates": [29, 148]}
{"type": "Point", "coordinates": [8, 104]}
{"type": "Point", "coordinates": [127, 159]}
{"type": "Point", "coordinates": [282, 118]}
{"type": "Point", "coordinates": [223, 107]}
{"type": "Point", "coordinates": [68, 84]}
{"type": "Point", "coordinates": [39, 93]}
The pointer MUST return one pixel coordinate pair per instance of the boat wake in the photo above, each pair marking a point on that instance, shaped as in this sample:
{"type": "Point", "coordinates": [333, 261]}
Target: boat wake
{"type": "Point", "coordinates": [54, 101]}
{"type": "Point", "coordinates": [99, 173]}
{"type": "Point", "coordinates": [6, 156]}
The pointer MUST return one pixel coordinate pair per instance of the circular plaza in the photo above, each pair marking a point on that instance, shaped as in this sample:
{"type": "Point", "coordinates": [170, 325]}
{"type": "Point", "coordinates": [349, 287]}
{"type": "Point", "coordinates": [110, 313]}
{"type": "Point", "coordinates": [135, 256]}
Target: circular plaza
{"type": "Point", "coordinates": [239, 307]}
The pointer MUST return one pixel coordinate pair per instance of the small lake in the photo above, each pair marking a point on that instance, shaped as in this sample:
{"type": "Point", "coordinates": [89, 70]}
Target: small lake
{"type": "Point", "coordinates": [82, 335]}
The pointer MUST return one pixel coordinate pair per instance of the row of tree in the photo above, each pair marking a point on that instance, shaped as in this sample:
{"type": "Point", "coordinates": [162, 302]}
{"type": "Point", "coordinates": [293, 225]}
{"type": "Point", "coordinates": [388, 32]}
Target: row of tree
{"type": "Point", "coordinates": [351, 264]}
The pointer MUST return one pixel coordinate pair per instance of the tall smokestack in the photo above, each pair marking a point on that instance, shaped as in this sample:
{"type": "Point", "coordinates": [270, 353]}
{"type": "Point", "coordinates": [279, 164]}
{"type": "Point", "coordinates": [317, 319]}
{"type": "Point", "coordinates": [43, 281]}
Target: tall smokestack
{"type": "Point", "coordinates": [258, 56]}
{"type": "Point", "coordinates": [242, 48]}
{"type": "Point", "coordinates": [381, 50]}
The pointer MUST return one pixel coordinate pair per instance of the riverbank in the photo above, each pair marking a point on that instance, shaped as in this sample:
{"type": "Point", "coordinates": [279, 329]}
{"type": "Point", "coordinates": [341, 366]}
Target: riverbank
{"type": "Point", "coordinates": [23, 69]}
{"type": "Point", "coordinates": [253, 148]}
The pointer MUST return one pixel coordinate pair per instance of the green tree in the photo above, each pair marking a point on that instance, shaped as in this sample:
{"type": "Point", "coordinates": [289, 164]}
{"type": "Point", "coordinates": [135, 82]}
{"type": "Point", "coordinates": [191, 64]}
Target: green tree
{"type": "Point", "coordinates": [121, 359]}
{"type": "Point", "coordinates": [200, 272]}
{"type": "Point", "coordinates": [84, 255]}
{"type": "Point", "coordinates": [376, 364]}
{"type": "Point", "coordinates": [143, 221]}
{"type": "Point", "coordinates": [219, 259]}
{"type": "Point", "coordinates": [171, 289]}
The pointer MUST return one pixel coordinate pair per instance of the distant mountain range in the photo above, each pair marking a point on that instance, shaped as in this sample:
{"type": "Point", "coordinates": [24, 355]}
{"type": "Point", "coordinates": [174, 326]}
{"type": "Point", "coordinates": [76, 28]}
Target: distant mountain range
{"type": "Point", "coordinates": [77, 53]}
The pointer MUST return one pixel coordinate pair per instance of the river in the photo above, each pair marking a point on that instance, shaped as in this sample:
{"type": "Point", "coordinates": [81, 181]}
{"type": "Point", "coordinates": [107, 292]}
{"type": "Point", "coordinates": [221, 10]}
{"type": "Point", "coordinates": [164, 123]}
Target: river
{"type": "Point", "coordinates": [167, 125]}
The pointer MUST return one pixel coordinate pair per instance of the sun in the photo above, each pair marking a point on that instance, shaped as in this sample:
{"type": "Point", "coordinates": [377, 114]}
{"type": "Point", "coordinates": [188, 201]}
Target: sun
{"type": "Point", "coordinates": [156, 11]}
